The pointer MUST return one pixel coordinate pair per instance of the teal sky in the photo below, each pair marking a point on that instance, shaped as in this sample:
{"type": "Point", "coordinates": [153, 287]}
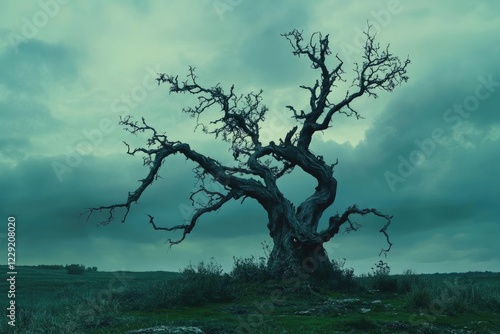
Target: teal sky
{"type": "Point", "coordinates": [426, 153]}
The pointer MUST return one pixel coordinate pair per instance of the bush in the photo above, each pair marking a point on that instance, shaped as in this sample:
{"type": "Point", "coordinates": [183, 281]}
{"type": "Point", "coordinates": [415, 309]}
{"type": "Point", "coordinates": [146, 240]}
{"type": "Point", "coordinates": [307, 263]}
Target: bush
{"type": "Point", "coordinates": [250, 270]}
{"type": "Point", "coordinates": [195, 286]}
{"type": "Point", "coordinates": [382, 281]}
{"type": "Point", "coordinates": [385, 284]}
{"type": "Point", "coordinates": [381, 269]}
{"type": "Point", "coordinates": [136, 297]}
{"type": "Point", "coordinates": [204, 283]}
{"type": "Point", "coordinates": [409, 281]}
{"type": "Point", "coordinates": [452, 296]}
{"type": "Point", "coordinates": [419, 298]}
{"type": "Point", "coordinates": [335, 275]}
{"type": "Point", "coordinates": [75, 269]}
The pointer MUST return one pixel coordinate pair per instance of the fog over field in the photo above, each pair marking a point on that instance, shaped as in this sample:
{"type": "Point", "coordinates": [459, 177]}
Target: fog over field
{"type": "Point", "coordinates": [426, 153]}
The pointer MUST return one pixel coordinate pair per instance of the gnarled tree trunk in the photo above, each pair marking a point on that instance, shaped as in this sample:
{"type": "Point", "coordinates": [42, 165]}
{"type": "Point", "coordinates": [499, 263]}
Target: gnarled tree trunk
{"type": "Point", "coordinates": [291, 257]}
{"type": "Point", "coordinates": [297, 247]}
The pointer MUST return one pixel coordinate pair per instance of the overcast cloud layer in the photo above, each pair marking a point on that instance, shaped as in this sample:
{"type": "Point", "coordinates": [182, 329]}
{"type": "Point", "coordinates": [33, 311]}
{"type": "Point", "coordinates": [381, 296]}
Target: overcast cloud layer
{"type": "Point", "coordinates": [426, 153]}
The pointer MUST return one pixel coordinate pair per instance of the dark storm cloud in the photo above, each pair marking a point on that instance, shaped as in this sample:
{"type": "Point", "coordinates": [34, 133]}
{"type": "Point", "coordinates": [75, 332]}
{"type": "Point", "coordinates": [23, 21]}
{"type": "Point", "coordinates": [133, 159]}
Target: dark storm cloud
{"type": "Point", "coordinates": [450, 188]}
{"type": "Point", "coordinates": [35, 65]}
{"type": "Point", "coordinates": [48, 211]}
{"type": "Point", "coordinates": [34, 185]}
{"type": "Point", "coordinates": [23, 119]}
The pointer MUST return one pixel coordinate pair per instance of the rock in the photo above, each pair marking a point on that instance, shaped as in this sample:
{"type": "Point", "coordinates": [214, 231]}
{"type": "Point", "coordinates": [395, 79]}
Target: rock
{"type": "Point", "coordinates": [348, 300]}
{"type": "Point", "coordinates": [167, 330]}
{"type": "Point", "coordinates": [365, 310]}
{"type": "Point", "coordinates": [306, 312]}
{"type": "Point", "coordinates": [343, 301]}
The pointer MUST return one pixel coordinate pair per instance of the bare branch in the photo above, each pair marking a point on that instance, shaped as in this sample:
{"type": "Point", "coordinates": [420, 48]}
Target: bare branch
{"type": "Point", "coordinates": [154, 159]}
{"type": "Point", "coordinates": [135, 195]}
{"type": "Point", "coordinates": [187, 228]}
{"type": "Point", "coordinates": [335, 222]}
{"type": "Point", "coordinates": [241, 114]}
{"type": "Point", "coordinates": [380, 71]}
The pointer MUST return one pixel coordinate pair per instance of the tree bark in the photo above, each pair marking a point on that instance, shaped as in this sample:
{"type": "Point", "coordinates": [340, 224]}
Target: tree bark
{"type": "Point", "coordinates": [297, 250]}
{"type": "Point", "coordinates": [290, 257]}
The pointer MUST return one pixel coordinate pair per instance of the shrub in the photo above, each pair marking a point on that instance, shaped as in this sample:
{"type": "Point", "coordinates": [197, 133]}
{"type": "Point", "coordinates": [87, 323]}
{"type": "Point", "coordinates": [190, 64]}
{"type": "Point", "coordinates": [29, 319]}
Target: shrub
{"type": "Point", "coordinates": [204, 283]}
{"type": "Point", "coordinates": [135, 297]}
{"type": "Point", "coordinates": [250, 270]}
{"type": "Point", "coordinates": [195, 286]}
{"type": "Point", "coordinates": [466, 298]}
{"type": "Point", "coordinates": [381, 269]}
{"type": "Point", "coordinates": [409, 281]}
{"type": "Point", "coordinates": [338, 277]}
{"type": "Point", "coordinates": [382, 281]}
{"type": "Point", "coordinates": [385, 284]}
{"type": "Point", "coordinates": [419, 298]}
{"type": "Point", "coordinates": [75, 269]}
{"type": "Point", "coordinates": [147, 296]}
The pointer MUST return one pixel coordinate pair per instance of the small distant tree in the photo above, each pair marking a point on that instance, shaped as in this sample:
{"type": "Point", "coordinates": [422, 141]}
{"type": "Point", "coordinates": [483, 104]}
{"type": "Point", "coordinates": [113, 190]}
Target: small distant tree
{"type": "Point", "coordinates": [383, 282]}
{"type": "Point", "coordinates": [381, 269]}
{"type": "Point", "coordinates": [75, 269]}
{"type": "Point", "coordinates": [258, 166]}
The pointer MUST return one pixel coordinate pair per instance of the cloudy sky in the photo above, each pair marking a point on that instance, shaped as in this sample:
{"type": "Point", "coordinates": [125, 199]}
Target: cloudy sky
{"type": "Point", "coordinates": [424, 153]}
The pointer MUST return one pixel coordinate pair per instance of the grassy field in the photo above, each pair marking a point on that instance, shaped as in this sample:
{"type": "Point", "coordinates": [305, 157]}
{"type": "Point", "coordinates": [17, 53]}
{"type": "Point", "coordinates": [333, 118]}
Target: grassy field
{"type": "Point", "coordinates": [51, 301]}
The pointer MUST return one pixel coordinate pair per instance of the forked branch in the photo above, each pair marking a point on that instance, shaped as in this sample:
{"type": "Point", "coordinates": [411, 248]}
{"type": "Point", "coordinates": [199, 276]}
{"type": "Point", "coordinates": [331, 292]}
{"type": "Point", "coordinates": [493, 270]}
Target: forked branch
{"type": "Point", "coordinates": [335, 222]}
{"type": "Point", "coordinates": [187, 228]}
{"type": "Point", "coordinates": [380, 70]}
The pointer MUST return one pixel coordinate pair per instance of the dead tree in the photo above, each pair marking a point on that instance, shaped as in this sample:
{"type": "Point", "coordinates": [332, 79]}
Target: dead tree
{"type": "Point", "coordinates": [257, 166]}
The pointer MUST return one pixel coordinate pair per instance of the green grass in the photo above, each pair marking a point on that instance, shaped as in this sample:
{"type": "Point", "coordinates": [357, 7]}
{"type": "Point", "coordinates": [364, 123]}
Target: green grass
{"type": "Point", "coordinates": [51, 301]}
